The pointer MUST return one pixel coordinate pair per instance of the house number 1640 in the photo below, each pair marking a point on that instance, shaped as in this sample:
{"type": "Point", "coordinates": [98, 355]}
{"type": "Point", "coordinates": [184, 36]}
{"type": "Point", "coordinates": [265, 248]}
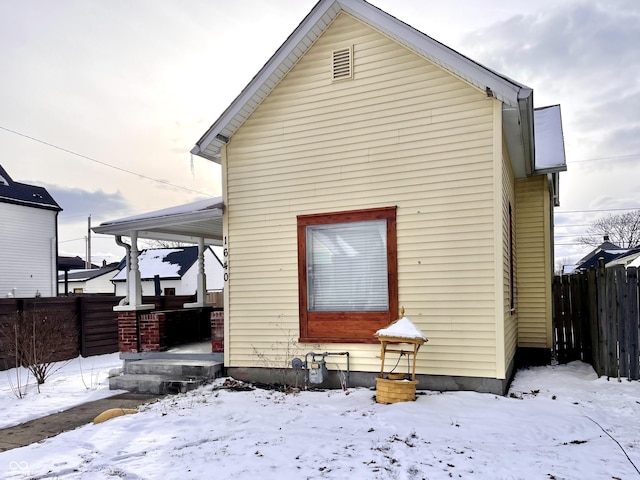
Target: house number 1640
{"type": "Point", "coordinates": [225, 265]}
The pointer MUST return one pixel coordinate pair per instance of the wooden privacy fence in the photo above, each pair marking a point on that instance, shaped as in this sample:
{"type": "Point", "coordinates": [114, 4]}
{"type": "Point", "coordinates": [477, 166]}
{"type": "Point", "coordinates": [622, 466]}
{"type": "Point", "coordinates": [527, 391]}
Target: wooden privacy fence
{"type": "Point", "coordinates": [97, 323]}
{"type": "Point", "coordinates": [597, 320]}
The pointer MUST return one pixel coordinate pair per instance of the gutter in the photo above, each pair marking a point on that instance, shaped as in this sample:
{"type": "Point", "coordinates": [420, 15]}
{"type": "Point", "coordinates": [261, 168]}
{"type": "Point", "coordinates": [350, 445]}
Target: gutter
{"type": "Point", "coordinates": [127, 247]}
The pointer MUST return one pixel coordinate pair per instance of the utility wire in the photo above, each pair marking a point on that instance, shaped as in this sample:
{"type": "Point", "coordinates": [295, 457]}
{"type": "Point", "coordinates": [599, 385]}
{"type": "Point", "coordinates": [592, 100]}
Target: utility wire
{"type": "Point", "coordinates": [71, 152]}
{"type": "Point", "coordinates": [597, 210]}
{"type": "Point", "coordinates": [599, 159]}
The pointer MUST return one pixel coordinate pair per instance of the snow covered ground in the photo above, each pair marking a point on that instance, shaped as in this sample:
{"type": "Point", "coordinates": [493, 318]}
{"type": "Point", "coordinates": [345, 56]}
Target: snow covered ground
{"type": "Point", "coordinates": [558, 422]}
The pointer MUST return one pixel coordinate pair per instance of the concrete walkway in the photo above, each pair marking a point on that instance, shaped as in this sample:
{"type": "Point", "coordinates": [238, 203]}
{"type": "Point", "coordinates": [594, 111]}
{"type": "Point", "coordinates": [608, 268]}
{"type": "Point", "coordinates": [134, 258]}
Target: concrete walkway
{"type": "Point", "coordinates": [37, 430]}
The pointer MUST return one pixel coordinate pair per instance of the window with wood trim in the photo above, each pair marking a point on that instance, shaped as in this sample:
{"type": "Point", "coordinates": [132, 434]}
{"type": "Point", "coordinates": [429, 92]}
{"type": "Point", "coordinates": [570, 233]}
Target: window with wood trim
{"type": "Point", "coordinates": [347, 275]}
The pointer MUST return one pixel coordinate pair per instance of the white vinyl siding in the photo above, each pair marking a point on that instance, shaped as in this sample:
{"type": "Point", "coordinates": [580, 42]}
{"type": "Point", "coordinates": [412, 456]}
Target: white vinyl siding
{"type": "Point", "coordinates": [401, 133]}
{"type": "Point", "coordinates": [534, 265]}
{"type": "Point", "coordinates": [27, 251]}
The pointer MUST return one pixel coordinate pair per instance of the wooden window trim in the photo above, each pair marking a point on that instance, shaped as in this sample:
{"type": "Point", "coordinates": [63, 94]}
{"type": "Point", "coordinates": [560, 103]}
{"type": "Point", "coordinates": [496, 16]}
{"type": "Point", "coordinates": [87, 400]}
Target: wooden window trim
{"type": "Point", "coordinates": [346, 327]}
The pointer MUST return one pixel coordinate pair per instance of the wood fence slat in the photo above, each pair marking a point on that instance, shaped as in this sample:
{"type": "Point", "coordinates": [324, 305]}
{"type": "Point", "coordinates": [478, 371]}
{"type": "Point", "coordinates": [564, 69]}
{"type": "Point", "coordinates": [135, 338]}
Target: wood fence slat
{"type": "Point", "coordinates": [559, 316]}
{"type": "Point", "coordinates": [634, 324]}
{"type": "Point", "coordinates": [611, 323]}
{"type": "Point", "coordinates": [592, 293]}
{"type": "Point", "coordinates": [623, 320]}
{"type": "Point", "coordinates": [601, 287]}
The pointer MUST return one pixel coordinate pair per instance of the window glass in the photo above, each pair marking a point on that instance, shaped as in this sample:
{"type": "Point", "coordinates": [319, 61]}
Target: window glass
{"type": "Point", "coordinates": [347, 267]}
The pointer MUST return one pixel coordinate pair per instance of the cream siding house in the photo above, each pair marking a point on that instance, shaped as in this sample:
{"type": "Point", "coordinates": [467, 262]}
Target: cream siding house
{"type": "Point", "coordinates": [359, 120]}
{"type": "Point", "coordinates": [28, 240]}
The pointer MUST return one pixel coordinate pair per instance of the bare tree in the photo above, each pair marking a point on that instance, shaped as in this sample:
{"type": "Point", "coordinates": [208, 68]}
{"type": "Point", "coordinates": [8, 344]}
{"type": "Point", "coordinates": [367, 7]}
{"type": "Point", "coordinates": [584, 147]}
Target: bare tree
{"type": "Point", "coordinates": [623, 229]}
{"type": "Point", "coordinates": [39, 340]}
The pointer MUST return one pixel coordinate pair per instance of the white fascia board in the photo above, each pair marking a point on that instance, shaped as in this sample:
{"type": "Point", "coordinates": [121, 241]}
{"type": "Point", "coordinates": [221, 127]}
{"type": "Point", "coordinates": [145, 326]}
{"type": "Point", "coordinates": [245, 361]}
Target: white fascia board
{"type": "Point", "coordinates": [123, 227]}
{"type": "Point", "coordinates": [503, 89]}
{"type": "Point", "coordinates": [271, 74]}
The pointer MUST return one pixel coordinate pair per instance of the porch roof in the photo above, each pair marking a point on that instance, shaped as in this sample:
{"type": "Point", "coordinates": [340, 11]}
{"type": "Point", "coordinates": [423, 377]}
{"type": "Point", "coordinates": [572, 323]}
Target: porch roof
{"type": "Point", "coordinates": [183, 223]}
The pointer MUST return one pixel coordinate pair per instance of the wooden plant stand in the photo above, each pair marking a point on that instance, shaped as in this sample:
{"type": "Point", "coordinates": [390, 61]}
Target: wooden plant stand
{"type": "Point", "coordinates": [390, 389]}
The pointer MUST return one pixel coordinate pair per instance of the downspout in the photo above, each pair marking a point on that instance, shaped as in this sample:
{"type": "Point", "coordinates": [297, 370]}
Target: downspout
{"type": "Point", "coordinates": [127, 247]}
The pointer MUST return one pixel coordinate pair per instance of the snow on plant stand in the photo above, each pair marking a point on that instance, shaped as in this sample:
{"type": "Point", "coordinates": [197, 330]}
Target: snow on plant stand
{"type": "Point", "coordinates": [405, 339]}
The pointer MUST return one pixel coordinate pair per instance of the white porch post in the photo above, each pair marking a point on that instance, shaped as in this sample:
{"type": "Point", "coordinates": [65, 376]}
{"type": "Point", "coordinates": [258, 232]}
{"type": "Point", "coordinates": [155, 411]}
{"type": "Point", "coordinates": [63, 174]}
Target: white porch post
{"type": "Point", "coordinates": [201, 279]}
{"type": "Point", "coordinates": [134, 285]}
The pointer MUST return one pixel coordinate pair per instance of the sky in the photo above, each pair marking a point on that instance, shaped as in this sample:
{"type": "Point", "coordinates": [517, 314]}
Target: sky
{"type": "Point", "coordinates": [103, 101]}
{"type": "Point", "coordinates": [557, 422]}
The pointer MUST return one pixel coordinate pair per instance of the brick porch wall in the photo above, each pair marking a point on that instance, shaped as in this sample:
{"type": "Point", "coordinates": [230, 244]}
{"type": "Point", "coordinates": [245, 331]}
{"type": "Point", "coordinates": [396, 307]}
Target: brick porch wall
{"type": "Point", "coordinates": [127, 336]}
{"type": "Point", "coordinates": [153, 336]}
{"type": "Point", "coordinates": [217, 331]}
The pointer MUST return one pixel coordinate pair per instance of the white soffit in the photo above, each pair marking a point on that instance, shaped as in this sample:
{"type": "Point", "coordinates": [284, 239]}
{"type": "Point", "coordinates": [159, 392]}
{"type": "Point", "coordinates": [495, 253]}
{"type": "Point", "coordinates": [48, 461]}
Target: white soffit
{"type": "Point", "coordinates": [549, 140]}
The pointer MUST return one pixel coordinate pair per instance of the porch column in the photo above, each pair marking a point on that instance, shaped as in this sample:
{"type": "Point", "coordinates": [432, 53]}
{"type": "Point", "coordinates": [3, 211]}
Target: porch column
{"type": "Point", "coordinates": [134, 286]}
{"type": "Point", "coordinates": [201, 279]}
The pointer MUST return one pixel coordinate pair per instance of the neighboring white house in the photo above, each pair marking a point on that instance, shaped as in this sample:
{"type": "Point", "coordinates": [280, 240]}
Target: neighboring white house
{"type": "Point", "coordinates": [177, 269]}
{"type": "Point", "coordinates": [96, 280]}
{"type": "Point", "coordinates": [28, 240]}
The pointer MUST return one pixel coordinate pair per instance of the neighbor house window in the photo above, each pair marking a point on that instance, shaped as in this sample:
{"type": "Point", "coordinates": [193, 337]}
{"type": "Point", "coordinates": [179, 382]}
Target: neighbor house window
{"type": "Point", "coordinates": [347, 269]}
{"type": "Point", "coordinates": [170, 291]}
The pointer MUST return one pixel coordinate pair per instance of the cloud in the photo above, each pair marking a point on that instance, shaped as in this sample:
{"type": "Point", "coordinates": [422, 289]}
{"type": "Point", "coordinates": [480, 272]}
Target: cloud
{"type": "Point", "coordinates": [78, 204]}
{"type": "Point", "coordinates": [582, 55]}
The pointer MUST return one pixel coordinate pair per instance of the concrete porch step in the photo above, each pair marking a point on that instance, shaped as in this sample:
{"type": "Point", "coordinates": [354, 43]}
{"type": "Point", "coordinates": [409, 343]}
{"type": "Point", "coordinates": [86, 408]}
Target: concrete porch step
{"type": "Point", "coordinates": [155, 384]}
{"type": "Point", "coordinates": [164, 376]}
{"type": "Point", "coordinates": [177, 367]}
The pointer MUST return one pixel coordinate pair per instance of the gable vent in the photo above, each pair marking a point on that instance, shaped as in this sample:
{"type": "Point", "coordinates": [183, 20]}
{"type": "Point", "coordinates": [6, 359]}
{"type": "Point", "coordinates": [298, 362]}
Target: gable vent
{"type": "Point", "coordinates": [343, 63]}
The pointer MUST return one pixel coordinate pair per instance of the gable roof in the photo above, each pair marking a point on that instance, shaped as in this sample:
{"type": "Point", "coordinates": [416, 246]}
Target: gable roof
{"type": "Point", "coordinates": [24, 194]}
{"type": "Point", "coordinates": [605, 246]}
{"type": "Point", "coordinates": [517, 99]}
{"type": "Point", "coordinates": [85, 275]}
{"type": "Point", "coordinates": [168, 263]}
{"type": "Point", "coordinates": [72, 263]}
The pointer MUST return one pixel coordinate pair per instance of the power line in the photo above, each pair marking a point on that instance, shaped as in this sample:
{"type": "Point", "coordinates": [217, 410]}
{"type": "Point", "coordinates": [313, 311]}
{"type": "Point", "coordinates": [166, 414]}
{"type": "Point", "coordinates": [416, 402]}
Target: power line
{"type": "Point", "coordinates": [597, 210]}
{"type": "Point", "coordinates": [71, 240]}
{"type": "Point", "coordinates": [599, 159]}
{"type": "Point", "coordinates": [71, 152]}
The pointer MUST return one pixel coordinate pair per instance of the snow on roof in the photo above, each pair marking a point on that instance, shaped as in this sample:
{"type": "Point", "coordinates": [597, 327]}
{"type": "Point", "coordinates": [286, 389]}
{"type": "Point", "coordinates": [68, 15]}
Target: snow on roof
{"type": "Point", "coordinates": [155, 261]}
{"type": "Point", "coordinates": [402, 328]}
{"type": "Point", "coordinates": [549, 141]}
{"type": "Point", "coordinates": [197, 206]}
{"type": "Point", "coordinates": [634, 263]}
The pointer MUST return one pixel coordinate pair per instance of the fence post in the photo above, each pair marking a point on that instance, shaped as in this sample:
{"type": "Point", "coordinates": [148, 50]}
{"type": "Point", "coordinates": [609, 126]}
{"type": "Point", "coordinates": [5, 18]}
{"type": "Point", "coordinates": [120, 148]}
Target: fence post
{"type": "Point", "coordinates": [633, 323]}
{"type": "Point", "coordinates": [559, 317]}
{"type": "Point", "coordinates": [601, 287]}
{"type": "Point", "coordinates": [611, 319]}
{"type": "Point", "coordinates": [592, 295]}
{"type": "Point", "coordinates": [622, 296]}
